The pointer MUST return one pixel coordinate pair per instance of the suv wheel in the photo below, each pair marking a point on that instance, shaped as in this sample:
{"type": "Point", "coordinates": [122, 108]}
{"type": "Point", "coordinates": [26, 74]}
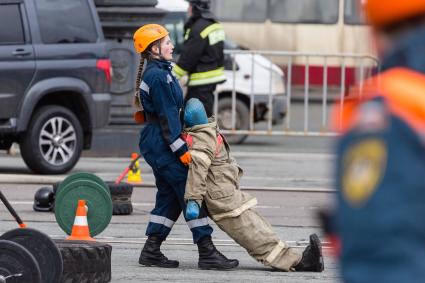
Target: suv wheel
{"type": "Point", "coordinates": [53, 141]}
{"type": "Point", "coordinates": [225, 118]}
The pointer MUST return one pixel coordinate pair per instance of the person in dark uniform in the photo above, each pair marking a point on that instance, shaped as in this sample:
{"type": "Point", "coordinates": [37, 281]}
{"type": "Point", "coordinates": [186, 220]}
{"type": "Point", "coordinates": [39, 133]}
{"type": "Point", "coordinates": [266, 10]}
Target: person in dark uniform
{"type": "Point", "coordinates": [161, 99]}
{"type": "Point", "coordinates": [202, 57]}
{"type": "Point", "coordinates": [381, 155]}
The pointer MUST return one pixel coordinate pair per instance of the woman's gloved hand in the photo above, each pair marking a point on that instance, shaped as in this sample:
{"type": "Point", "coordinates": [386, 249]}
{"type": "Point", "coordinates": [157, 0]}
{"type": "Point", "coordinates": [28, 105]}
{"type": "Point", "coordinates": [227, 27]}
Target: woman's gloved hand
{"type": "Point", "coordinates": [186, 158]}
{"type": "Point", "coordinates": [192, 210]}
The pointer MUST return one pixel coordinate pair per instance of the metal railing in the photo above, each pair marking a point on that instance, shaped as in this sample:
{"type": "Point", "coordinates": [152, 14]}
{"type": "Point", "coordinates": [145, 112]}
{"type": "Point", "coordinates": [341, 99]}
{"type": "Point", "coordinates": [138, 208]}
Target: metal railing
{"type": "Point", "coordinates": [361, 65]}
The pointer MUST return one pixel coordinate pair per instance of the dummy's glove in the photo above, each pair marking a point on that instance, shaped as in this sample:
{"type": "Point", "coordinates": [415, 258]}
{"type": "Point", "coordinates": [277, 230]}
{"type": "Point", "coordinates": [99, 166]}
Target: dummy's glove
{"type": "Point", "coordinates": [192, 210]}
{"type": "Point", "coordinates": [186, 158]}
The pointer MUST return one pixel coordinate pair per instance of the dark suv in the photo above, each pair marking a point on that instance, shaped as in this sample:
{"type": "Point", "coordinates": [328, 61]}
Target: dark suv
{"type": "Point", "coordinates": [55, 77]}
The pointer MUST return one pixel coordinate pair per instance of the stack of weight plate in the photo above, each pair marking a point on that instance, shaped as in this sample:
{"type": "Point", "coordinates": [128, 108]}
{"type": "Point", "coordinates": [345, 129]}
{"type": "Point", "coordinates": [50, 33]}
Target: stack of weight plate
{"type": "Point", "coordinates": [94, 191]}
{"type": "Point", "coordinates": [120, 194]}
{"type": "Point", "coordinates": [84, 261]}
{"type": "Point", "coordinates": [28, 255]}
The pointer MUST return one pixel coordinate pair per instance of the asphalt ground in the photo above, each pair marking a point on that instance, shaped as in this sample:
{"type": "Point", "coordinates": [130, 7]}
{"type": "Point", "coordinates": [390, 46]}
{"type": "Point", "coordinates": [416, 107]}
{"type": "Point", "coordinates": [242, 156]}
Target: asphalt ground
{"type": "Point", "coordinates": [290, 187]}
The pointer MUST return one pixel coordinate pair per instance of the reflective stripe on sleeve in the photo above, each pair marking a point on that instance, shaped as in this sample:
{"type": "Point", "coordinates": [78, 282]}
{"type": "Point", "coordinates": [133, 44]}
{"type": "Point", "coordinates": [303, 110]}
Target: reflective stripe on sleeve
{"type": "Point", "coordinates": [161, 220]}
{"type": "Point", "coordinates": [179, 72]}
{"type": "Point", "coordinates": [144, 87]}
{"type": "Point", "coordinates": [177, 144]}
{"type": "Point", "coordinates": [209, 77]}
{"type": "Point", "coordinates": [209, 29]}
{"type": "Point", "coordinates": [186, 35]}
{"type": "Point", "coordinates": [275, 252]}
{"type": "Point", "coordinates": [197, 222]}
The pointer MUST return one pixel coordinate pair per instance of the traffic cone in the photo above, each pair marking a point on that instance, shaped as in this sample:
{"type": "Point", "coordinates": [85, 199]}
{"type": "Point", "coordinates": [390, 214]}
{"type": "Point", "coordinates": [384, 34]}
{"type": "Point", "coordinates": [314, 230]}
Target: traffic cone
{"type": "Point", "coordinates": [134, 176]}
{"type": "Point", "coordinates": [80, 229]}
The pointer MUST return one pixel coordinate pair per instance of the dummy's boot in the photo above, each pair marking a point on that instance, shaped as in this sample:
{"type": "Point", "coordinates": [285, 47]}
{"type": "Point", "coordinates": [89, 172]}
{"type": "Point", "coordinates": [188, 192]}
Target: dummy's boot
{"type": "Point", "coordinates": [211, 258]}
{"type": "Point", "coordinates": [312, 259]}
{"type": "Point", "coordinates": [151, 254]}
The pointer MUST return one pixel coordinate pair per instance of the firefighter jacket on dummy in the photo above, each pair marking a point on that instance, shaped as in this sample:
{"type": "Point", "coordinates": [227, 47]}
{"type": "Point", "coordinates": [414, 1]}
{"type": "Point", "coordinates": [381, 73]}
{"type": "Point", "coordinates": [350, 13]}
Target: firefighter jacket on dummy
{"type": "Point", "coordinates": [380, 172]}
{"type": "Point", "coordinates": [213, 177]}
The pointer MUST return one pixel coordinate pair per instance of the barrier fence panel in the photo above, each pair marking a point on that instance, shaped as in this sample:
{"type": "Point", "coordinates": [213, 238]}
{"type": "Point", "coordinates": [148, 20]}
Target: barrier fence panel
{"type": "Point", "coordinates": [310, 83]}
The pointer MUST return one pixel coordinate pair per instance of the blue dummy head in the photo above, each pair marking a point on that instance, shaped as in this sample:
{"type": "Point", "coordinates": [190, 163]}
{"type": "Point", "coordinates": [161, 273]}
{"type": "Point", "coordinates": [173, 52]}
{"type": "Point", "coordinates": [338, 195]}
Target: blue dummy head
{"type": "Point", "coordinates": [194, 113]}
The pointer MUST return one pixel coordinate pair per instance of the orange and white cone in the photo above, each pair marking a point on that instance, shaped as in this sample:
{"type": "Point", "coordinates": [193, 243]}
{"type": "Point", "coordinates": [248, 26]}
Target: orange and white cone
{"type": "Point", "coordinates": [80, 229]}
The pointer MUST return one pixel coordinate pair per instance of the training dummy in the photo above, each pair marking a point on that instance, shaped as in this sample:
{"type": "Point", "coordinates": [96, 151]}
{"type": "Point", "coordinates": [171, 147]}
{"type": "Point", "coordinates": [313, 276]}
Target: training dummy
{"type": "Point", "coordinates": [213, 179]}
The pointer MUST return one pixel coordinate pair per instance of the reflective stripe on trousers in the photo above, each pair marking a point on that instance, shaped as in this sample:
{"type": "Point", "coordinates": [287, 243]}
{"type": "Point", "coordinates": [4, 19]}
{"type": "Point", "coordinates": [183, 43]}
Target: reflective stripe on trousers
{"type": "Point", "coordinates": [161, 220]}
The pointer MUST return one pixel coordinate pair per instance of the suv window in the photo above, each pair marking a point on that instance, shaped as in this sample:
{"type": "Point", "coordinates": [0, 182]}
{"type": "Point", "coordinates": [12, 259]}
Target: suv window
{"type": "Point", "coordinates": [65, 21]}
{"type": "Point", "coordinates": [11, 30]}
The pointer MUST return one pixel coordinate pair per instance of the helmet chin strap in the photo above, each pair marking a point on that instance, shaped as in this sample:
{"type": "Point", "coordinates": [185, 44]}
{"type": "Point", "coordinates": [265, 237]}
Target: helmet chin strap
{"type": "Point", "coordinates": [159, 54]}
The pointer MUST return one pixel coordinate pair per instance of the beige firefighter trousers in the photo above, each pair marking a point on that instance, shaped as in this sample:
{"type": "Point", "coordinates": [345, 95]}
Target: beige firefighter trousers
{"type": "Point", "coordinates": [255, 234]}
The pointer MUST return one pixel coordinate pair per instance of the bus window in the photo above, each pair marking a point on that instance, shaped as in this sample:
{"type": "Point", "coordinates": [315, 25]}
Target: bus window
{"type": "Point", "coordinates": [304, 11]}
{"type": "Point", "coordinates": [240, 10]}
{"type": "Point", "coordinates": [352, 13]}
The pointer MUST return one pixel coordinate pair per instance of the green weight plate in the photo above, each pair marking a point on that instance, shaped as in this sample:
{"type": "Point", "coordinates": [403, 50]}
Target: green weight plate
{"type": "Point", "coordinates": [82, 176]}
{"type": "Point", "coordinates": [98, 201]}
{"type": "Point", "coordinates": [93, 182]}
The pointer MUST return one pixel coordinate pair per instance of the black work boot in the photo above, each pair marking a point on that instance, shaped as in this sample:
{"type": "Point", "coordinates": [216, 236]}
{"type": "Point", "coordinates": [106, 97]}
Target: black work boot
{"type": "Point", "coordinates": [211, 258]}
{"type": "Point", "coordinates": [312, 259]}
{"type": "Point", "coordinates": [151, 254]}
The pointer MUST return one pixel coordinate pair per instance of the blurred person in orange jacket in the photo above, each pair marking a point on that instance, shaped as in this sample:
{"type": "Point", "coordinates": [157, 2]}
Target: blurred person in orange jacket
{"type": "Point", "coordinates": [380, 163]}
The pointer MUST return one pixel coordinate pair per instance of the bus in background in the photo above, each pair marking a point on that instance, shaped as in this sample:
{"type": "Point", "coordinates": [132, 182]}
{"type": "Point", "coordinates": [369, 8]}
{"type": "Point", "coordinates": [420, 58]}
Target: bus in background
{"type": "Point", "coordinates": [310, 26]}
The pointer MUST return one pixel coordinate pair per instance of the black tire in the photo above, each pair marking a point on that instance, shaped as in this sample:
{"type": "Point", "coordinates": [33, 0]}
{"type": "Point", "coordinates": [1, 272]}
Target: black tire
{"type": "Point", "coordinates": [224, 118]}
{"type": "Point", "coordinates": [85, 262]}
{"type": "Point", "coordinates": [32, 151]}
{"type": "Point", "coordinates": [138, 3]}
{"type": "Point", "coordinates": [121, 198]}
{"type": "Point", "coordinates": [15, 259]}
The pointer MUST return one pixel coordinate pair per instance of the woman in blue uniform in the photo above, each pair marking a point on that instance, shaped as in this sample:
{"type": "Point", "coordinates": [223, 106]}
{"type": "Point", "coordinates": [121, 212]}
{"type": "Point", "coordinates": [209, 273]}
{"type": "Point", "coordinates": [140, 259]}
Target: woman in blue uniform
{"type": "Point", "coordinates": [161, 99]}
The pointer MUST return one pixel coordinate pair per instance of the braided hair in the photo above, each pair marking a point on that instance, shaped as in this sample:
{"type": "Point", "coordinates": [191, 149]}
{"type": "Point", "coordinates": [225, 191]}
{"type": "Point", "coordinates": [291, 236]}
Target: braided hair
{"type": "Point", "coordinates": [136, 101]}
{"type": "Point", "coordinates": [146, 55]}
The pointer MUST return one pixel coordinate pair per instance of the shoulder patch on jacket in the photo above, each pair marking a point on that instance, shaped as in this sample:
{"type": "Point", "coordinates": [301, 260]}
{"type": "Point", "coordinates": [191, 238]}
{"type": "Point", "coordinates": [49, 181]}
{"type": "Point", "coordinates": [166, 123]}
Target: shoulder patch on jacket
{"type": "Point", "coordinates": [363, 167]}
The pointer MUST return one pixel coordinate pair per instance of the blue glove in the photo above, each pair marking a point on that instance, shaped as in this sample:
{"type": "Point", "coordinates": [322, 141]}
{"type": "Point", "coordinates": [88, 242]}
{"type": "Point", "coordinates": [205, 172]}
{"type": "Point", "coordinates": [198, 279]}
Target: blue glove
{"type": "Point", "coordinates": [192, 210]}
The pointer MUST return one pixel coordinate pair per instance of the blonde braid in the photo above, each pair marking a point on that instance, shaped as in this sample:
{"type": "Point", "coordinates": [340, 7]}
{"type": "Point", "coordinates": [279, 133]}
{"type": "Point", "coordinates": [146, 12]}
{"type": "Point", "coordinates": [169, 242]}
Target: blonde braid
{"type": "Point", "coordinates": [136, 100]}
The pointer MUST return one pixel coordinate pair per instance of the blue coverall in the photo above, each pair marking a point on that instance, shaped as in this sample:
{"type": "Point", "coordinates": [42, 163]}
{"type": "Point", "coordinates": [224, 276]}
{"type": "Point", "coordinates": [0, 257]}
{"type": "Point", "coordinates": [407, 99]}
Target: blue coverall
{"type": "Point", "coordinates": [380, 177]}
{"type": "Point", "coordinates": [161, 145]}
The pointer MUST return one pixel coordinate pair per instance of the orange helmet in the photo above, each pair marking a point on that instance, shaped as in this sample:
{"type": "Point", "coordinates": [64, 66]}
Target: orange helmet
{"type": "Point", "coordinates": [146, 35]}
{"type": "Point", "coordinates": [382, 13]}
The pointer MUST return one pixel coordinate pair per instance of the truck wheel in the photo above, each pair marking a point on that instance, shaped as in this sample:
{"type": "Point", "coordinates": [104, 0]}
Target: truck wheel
{"type": "Point", "coordinates": [85, 261]}
{"type": "Point", "coordinates": [53, 141]}
{"type": "Point", "coordinates": [225, 118]}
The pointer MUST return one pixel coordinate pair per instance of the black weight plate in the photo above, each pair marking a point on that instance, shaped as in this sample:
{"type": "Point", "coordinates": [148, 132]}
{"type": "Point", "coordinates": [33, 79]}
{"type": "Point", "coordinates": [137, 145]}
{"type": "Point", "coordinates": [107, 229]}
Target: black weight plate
{"type": "Point", "coordinates": [81, 176]}
{"type": "Point", "coordinates": [98, 201]}
{"type": "Point", "coordinates": [15, 259]}
{"type": "Point", "coordinates": [43, 249]}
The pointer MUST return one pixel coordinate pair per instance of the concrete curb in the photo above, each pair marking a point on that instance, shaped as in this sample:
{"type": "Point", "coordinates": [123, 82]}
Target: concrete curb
{"type": "Point", "coordinates": [46, 180]}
